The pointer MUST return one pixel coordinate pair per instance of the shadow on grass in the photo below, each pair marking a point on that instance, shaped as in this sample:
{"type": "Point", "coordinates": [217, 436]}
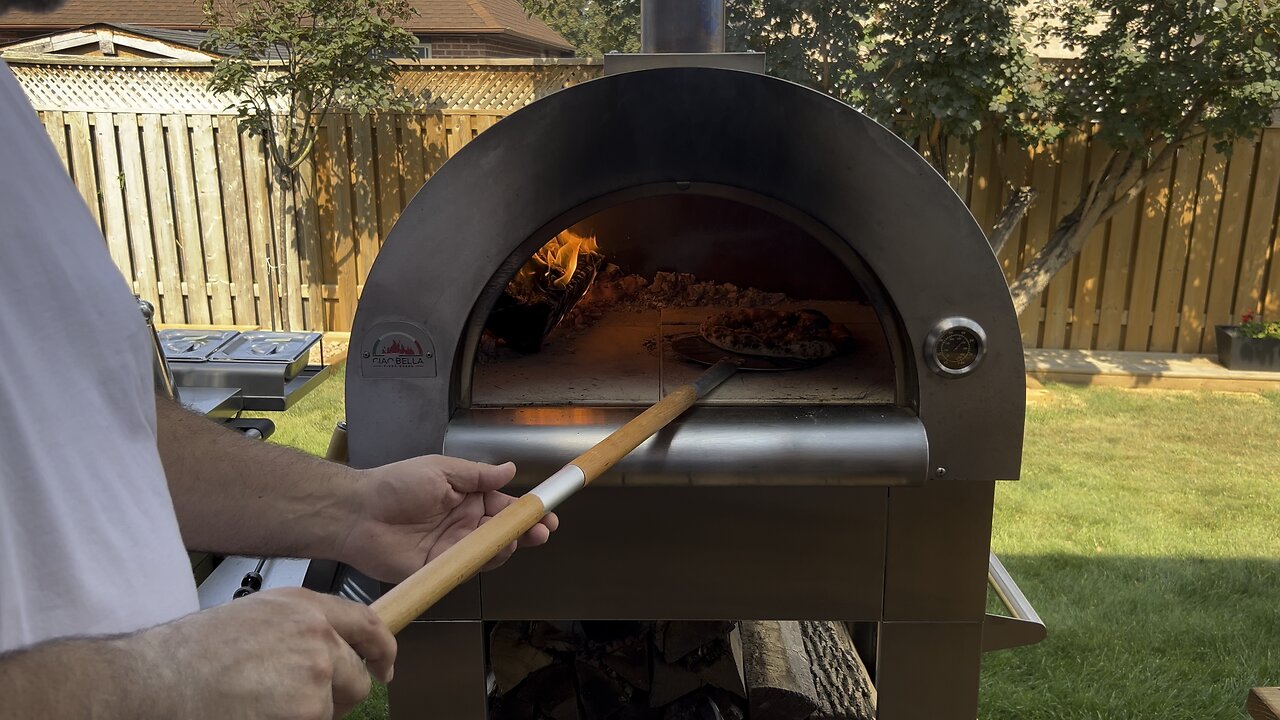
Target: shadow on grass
{"type": "Point", "coordinates": [1139, 637]}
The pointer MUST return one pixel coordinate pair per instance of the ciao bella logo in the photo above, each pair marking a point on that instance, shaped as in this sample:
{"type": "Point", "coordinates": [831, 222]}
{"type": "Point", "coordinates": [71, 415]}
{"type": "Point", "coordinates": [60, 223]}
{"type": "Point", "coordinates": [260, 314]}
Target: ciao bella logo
{"type": "Point", "coordinates": [398, 350]}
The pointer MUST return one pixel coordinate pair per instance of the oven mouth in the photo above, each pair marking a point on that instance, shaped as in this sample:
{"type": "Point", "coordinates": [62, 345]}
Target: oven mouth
{"type": "Point", "coordinates": [865, 307]}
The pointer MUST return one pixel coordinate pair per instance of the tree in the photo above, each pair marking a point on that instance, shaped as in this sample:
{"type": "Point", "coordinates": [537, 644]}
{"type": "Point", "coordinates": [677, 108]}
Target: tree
{"type": "Point", "coordinates": [813, 42]}
{"type": "Point", "coordinates": [594, 27]}
{"type": "Point", "coordinates": [1152, 75]}
{"type": "Point", "coordinates": [938, 71]}
{"type": "Point", "coordinates": [289, 63]}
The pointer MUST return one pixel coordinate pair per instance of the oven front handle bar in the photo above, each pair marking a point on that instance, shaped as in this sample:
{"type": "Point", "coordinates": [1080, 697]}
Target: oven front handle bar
{"type": "Point", "coordinates": [1022, 626]}
{"type": "Point", "coordinates": [406, 601]}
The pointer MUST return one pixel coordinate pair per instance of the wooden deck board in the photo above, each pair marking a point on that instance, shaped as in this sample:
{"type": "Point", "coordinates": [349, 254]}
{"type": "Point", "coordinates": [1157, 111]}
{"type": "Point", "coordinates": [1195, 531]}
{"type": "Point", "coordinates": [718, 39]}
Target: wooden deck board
{"type": "Point", "coordinates": [1161, 371]}
{"type": "Point", "coordinates": [1264, 703]}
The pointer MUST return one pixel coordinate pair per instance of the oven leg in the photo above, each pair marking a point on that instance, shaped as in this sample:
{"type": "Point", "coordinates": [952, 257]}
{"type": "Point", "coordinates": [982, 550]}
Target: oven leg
{"type": "Point", "coordinates": [928, 670]}
{"type": "Point", "coordinates": [440, 672]}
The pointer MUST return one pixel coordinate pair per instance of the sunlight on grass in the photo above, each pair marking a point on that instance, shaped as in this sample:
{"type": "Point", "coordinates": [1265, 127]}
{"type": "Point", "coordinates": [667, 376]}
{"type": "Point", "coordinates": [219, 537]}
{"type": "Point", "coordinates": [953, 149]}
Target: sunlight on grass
{"type": "Point", "coordinates": [1146, 531]}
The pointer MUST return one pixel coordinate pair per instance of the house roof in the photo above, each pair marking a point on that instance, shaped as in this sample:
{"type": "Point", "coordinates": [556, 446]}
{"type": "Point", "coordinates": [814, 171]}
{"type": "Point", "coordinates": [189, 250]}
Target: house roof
{"type": "Point", "coordinates": [505, 17]}
{"type": "Point", "coordinates": [177, 44]}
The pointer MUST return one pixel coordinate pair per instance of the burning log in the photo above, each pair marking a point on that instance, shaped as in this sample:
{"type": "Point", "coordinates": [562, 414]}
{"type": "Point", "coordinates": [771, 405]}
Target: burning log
{"type": "Point", "coordinates": [544, 289]}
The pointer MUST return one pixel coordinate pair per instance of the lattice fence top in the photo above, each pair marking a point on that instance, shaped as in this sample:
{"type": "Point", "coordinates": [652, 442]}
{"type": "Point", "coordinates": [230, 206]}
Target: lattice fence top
{"type": "Point", "coordinates": [492, 87]}
{"type": "Point", "coordinates": [175, 87]}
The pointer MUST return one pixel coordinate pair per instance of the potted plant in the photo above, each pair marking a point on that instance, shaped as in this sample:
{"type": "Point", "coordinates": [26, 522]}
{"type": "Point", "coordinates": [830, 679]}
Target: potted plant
{"type": "Point", "coordinates": [1254, 344]}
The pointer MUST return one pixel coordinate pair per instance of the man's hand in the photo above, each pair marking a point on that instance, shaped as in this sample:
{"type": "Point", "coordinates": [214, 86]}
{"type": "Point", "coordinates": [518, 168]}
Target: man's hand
{"type": "Point", "coordinates": [413, 510]}
{"type": "Point", "coordinates": [285, 653]}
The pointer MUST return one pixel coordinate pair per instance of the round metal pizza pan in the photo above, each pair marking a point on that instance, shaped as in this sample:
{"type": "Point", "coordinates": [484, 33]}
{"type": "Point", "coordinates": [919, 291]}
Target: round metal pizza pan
{"type": "Point", "coordinates": [695, 348]}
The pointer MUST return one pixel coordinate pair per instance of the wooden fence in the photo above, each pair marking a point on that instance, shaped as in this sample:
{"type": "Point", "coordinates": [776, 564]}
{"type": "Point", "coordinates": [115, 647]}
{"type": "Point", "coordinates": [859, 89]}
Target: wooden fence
{"type": "Point", "coordinates": [184, 203]}
{"type": "Point", "coordinates": [1198, 248]}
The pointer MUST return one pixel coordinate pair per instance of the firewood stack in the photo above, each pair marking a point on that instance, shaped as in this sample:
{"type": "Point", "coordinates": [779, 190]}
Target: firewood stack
{"type": "Point", "coordinates": [669, 670]}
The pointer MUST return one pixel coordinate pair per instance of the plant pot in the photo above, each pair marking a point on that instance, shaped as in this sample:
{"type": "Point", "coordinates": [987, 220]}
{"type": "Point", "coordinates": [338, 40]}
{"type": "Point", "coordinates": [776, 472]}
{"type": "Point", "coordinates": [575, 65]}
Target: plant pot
{"type": "Point", "coordinates": [1236, 352]}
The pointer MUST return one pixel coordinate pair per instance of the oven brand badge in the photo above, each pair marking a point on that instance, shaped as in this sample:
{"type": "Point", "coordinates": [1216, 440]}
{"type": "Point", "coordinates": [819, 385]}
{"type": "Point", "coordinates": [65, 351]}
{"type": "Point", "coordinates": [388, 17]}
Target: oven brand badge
{"type": "Point", "coordinates": [399, 350]}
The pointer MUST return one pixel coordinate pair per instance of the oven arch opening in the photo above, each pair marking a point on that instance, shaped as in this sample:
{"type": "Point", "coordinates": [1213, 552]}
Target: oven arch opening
{"type": "Point", "coordinates": [776, 249]}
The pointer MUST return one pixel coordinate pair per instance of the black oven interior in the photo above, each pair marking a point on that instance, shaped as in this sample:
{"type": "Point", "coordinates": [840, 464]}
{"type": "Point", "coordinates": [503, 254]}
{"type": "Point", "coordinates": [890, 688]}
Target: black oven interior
{"type": "Point", "coordinates": [601, 313]}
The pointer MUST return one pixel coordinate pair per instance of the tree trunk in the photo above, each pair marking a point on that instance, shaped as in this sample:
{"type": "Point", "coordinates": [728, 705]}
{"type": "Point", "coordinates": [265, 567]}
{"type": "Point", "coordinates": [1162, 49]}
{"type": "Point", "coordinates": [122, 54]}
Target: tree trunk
{"type": "Point", "coordinates": [1063, 246]}
{"type": "Point", "coordinates": [1020, 201]}
{"type": "Point", "coordinates": [284, 238]}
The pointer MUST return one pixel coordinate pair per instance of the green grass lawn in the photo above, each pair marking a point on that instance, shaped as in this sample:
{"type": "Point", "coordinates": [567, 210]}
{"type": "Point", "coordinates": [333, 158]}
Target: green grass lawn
{"type": "Point", "coordinates": [1146, 531]}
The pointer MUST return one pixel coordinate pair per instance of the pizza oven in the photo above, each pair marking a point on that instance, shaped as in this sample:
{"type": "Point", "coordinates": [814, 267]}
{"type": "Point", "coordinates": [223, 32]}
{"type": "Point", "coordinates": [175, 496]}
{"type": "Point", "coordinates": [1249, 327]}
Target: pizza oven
{"type": "Point", "coordinates": [856, 489]}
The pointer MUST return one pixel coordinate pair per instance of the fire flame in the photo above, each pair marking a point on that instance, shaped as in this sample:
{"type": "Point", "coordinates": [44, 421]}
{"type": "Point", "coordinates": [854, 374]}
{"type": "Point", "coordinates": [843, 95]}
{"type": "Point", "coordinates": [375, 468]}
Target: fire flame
{"type": "Point", "coordinates": [552, 266]}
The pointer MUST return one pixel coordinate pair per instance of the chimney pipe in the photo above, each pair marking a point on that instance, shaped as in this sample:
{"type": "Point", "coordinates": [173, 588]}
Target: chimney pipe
{"type": "Point", "coordinates": [681, 26]}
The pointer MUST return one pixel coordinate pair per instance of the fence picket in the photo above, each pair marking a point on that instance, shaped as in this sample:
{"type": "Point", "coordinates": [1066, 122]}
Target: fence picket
{"type": "Point", "coordinates": [334, 165]}
{"type": "Point", "coordinates": [1230, 236]}
{"type": "Point", "coordinates": [413, 140]}
{"type": "Point", "coordinates": [1177, 242]}
{"type": "Point", "coordinates": [115, 227]}
{"type": "Point", "coordinates": [1200, 251]}
{"type": "Point", "coordinates": [364, 204]}
{"type": "Point", "coordinates": [436, 144]}
{"type": "Point", "coordinates": [82, 168]}
{"type": "Point", "coordinates": [1146, 260]}
{"type": "Point", "coordinates": [1121, 236]}
{"type": "Point", "coordinates": [390, 174]}
{"type": "Point", "coordinates": [1089, 266]}
{"type": "Point", "coordinates": [134, 182]}
{"type": "Point", "coordinates": [1251, 292]}
{"type": "Point", "coordinates": [261, 223]}
{"type": "Point", "coordinates": [168, 269]}
{"type": "Point", "coordinates": [1039, 224]}
{"type": "Point", "coordinates": [1070, 185]}
{"type": "Point", "coordinates": [204, 158]}
{"type": "Point", "coordinates": [55, 125]}
{"type": "Point", "coordinates": [310, 264]}
{"type": "Point", "coordinates": [236, 220]}
{"type": "Point", "coordinates": [188, 216]}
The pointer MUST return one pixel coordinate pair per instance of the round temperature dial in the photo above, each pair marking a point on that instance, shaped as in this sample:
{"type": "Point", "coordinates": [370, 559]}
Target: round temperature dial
{"type": "Point", "coordinates": [955, 347]}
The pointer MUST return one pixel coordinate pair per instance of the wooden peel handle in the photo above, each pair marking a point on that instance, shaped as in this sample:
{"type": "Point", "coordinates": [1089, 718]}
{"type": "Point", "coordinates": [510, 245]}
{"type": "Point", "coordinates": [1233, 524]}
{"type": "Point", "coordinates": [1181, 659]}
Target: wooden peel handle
{"type": "Point", "coordinates": [406, 601]}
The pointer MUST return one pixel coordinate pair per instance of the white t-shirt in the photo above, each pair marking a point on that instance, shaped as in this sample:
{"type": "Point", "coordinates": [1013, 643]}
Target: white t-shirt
{"type": "Point", "coordinates": [88, 539]}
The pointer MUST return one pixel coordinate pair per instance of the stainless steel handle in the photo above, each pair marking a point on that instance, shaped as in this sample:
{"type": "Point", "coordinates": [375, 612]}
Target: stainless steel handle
{"type": "Point", "coordinates": [163, 374]}
{"type": "Point", "coordinates": [1023, 626]}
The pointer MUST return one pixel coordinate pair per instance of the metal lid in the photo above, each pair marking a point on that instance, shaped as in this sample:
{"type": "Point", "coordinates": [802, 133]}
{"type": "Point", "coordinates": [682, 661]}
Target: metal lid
{"type": "Point", "coordinates": [267, 346]}
{"type": "Point", "coordinates": [193, 345]}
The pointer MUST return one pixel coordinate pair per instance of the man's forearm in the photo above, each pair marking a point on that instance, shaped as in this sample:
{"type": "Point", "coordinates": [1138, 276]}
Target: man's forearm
{"type": "Point", "coordinates": [82, 678]}
{"type": "Point", "coordinates": [234, 495]}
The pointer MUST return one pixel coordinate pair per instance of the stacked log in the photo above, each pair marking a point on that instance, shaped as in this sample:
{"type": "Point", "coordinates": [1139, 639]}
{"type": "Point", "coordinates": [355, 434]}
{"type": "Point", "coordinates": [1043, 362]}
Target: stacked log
{"type": "Point", "coordinates": [669, 670]}
{"type": "Point", "coordinates": [805, 670]}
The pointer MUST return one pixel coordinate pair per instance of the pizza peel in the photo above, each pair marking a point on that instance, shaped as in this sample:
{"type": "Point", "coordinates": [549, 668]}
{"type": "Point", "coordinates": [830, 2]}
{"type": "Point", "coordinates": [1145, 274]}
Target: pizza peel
{"type": "Point", "coordinates": [406, 601]}
{"type": "Point", "coordinates": [695, 348]}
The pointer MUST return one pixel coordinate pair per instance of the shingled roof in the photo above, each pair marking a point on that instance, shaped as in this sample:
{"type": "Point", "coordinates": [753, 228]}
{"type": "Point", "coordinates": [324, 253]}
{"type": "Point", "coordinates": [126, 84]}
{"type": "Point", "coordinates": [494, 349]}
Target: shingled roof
{"type": "Point", "coordinates": [503, 17]}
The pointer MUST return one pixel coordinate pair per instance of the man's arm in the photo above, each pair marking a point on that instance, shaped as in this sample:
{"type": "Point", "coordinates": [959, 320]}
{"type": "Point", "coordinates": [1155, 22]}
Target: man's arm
{"type": "Point", "coordinates": [238, 496]}
{"type": "Point", "coordinates": [284, 653]}
{"type": "Point", "coordinates": [81, 677]}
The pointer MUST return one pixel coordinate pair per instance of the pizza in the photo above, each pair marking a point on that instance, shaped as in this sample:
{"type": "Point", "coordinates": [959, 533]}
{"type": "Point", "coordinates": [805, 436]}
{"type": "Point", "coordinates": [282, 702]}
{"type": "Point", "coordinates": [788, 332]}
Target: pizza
{"type": "Point", "coordinates": [798, 334]}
